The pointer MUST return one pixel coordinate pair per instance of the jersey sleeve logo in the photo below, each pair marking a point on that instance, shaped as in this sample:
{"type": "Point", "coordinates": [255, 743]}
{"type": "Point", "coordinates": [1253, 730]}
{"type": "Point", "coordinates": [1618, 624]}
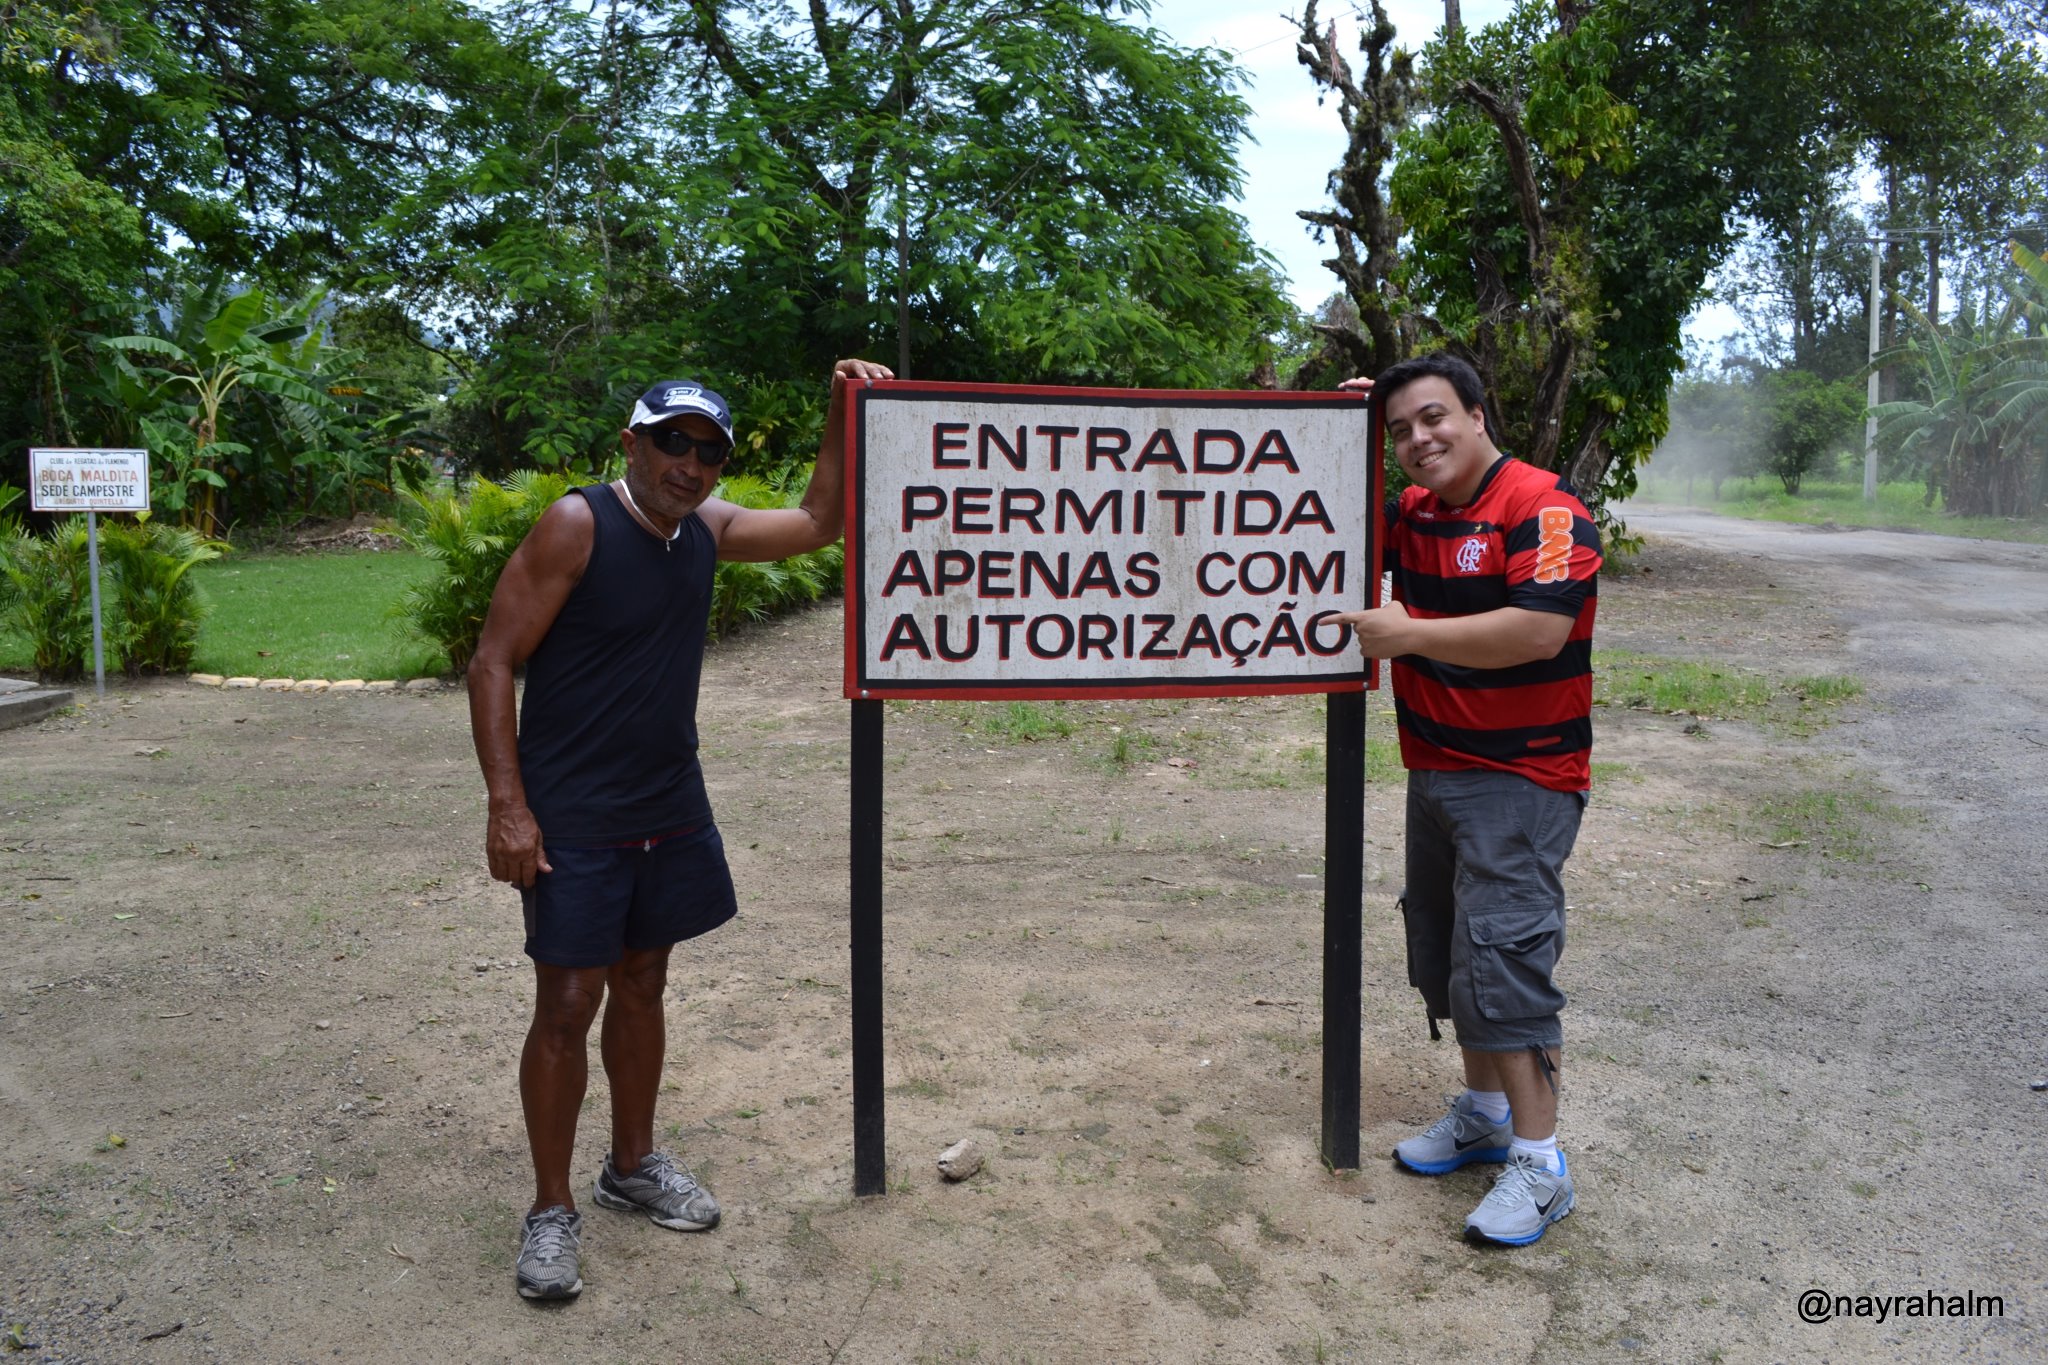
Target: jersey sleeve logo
{"type": "Point", "coordinates": [1553, 545]}
{"type": "Point", "coordinates": [1469, 554]}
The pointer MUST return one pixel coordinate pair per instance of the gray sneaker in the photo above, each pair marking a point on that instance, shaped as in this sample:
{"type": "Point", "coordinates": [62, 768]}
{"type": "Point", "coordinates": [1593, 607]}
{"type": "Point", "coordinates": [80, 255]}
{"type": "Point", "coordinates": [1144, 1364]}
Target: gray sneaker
{"type": "Point", "coordinates": [1459, 1138]}
{"type": "Point", "coordinates": [1525, 1200]}
{"type": "Point", "coordinates": [550, 1266]}
{"type": "Point", "coordinates": [664, 1191]}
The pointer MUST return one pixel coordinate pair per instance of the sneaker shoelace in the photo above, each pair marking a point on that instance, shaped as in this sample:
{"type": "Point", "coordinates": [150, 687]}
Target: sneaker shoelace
{"type": "Point", "coordinates": [662, 1167]}
{"type": "Point", "coordinates": [1445, 1126]}
{"type": "Point", "coordinates": [547, 1236]}
{"type": "Point", "coordinates": [1515, 1183]}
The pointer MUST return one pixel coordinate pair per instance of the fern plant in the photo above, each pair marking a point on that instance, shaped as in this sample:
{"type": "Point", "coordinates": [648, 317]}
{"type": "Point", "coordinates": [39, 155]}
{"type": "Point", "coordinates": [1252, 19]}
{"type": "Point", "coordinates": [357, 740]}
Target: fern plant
{"type": "Point", "coordinates": [160, 604]}
{"type": "Point", "coordinates": [49, 598]}
{"type": "Point", "coordinates": [150, 609]}
{"type": "Point", "coordinates": [469, 537]}
{"type": "Point", "coordinates": [753, 592]}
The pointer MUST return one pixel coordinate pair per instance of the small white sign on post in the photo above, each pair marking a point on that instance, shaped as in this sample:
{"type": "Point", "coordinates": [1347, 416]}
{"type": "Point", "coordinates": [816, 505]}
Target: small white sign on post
{"type": "Point", "coordinates": [90, 481]}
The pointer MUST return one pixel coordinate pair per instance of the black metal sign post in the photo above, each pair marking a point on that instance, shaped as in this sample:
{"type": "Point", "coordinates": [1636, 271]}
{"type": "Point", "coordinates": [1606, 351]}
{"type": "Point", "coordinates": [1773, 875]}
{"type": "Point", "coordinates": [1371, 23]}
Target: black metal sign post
{"type": "Point", "coordinates": [1344, 885]}
{"type": "Point", "coordinates": [870, 1156]}
{"type": "Point", "coordinates": [1343, 833]}
{"type": "Point", "coordinates": [1343, 937]}
{"type": "Point", "coordinates": [1343, 926]}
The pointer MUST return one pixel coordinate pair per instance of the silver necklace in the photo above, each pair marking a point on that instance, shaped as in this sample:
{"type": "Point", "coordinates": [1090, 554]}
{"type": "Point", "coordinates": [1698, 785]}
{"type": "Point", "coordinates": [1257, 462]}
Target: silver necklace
{"type": "Point", "coordinates": [666, 545]}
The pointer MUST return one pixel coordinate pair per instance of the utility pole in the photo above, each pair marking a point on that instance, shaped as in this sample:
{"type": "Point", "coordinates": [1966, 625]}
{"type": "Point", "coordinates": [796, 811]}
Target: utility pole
{"type": "Point", "coordinates": [1870, 412]}
{"type": "Point", "coordinates": [902, 288]}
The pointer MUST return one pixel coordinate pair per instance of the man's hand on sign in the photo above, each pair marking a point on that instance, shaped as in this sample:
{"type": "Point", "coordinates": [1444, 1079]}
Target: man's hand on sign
{"type": "Point", "coordinates": [1500, 638]}
{"type": "Point", "coordinates": [844, 371]}
{"type": "Point", "coordinates": [844, 374]}
{"type": "Point", "coordinates": [514, 848]}
{"type": "Point", "coordinates": [1359, 385]}
{"type": "Point", "coordinates": [1382, 632]}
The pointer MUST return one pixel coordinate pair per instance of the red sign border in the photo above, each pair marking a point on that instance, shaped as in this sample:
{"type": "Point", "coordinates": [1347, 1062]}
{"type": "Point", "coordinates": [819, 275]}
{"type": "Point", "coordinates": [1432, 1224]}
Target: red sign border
{"type": "Point", "coordinates": [852, 453]}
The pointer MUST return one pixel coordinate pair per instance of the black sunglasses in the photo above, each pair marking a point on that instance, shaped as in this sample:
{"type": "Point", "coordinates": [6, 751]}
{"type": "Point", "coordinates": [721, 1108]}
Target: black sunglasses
{"type": "Point", "coordinates": [677, 443]}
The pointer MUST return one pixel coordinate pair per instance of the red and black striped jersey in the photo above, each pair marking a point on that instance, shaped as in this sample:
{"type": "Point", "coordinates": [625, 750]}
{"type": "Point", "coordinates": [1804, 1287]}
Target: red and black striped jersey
{"type": "Point", "coordinates": [1526, 541]}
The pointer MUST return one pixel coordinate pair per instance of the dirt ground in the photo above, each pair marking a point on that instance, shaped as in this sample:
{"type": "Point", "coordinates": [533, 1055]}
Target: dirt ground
{"type": "Point", "coordinates": [263, 1009]}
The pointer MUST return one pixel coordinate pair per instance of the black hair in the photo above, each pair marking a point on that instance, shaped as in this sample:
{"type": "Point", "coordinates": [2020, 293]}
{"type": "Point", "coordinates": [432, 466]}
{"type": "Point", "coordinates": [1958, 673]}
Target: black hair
{"type": "Point", "coordinates": [1464, 380]}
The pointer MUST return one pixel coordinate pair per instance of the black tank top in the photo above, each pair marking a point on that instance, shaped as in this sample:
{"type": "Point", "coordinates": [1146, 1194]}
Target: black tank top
{"type": "Point", "coordinates": [608, 727]}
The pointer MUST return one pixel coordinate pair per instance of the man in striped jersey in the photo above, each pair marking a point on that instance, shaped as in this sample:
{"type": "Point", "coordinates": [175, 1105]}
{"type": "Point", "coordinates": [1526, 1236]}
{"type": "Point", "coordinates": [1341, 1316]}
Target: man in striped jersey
{"type": "Point", "coordinates": [1490, 631]}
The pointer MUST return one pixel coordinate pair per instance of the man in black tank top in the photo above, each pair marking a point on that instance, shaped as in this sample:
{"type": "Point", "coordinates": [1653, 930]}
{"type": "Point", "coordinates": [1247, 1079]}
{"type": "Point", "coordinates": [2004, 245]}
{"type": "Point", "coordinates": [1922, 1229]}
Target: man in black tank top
{"type": "Point", "coordinates": [597, 804]}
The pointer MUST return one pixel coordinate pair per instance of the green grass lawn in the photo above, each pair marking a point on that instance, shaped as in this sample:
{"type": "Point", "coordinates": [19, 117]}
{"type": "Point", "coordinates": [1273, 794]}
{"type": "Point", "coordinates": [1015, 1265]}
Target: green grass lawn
{"type": "Point", "coordinates": [296, 616]}
{"type": "Point", "coordinates": [1899, 506]}
{"type": "Point", "coordinates": [312, 616]}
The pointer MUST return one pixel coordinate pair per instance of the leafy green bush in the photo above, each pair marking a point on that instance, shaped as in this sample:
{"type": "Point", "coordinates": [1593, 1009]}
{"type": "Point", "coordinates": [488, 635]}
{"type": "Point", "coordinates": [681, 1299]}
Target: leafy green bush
{"type": "Point", "coordinates": [470, 538]}
{"type": "Point", "coordinates": [751, 592]}
{"type": "Point", "coordinates": [49, 598]}
{"type": "Point", "coordinates": [150, 610]}
{"type": "Point", "coordinates": [160, 606]}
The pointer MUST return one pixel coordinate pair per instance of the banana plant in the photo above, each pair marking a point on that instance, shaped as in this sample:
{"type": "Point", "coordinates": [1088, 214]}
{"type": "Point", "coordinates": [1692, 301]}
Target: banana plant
{"type": "Point", "coordinates": [1977, 426]}
{"type": "Point", "coordinates": [216, 344]}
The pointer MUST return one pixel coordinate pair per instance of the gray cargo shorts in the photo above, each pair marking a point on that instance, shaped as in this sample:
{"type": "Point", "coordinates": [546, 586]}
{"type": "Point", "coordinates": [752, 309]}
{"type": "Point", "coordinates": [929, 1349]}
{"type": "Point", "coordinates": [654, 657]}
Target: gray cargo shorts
{"type": "Point", "coordinates": [1484, 903]}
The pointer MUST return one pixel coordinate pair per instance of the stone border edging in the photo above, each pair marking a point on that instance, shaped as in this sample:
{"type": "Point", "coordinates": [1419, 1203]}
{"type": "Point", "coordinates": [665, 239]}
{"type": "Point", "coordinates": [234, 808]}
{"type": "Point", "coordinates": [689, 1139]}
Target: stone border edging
{"type": "Point", "coordinates": [316, 684]}
{"type": "Point", "coordinates": [22, 702]}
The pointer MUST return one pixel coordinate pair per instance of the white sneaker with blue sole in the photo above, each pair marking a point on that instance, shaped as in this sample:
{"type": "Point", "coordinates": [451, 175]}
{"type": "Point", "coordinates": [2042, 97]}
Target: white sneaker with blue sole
{"type": "Point", "coordinates": [1461, 1137]}
{"type": "Point", "coordinates": [1525, 1200]}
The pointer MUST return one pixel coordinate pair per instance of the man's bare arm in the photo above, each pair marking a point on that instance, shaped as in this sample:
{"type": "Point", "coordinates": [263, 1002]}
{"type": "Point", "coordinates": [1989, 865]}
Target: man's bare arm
{"type": "Point", "coordinates": [757, 535]}
{"type": "Point", "coordinates": [1500, 638]}
{"type": "Point", "coordinates": [536, 581]}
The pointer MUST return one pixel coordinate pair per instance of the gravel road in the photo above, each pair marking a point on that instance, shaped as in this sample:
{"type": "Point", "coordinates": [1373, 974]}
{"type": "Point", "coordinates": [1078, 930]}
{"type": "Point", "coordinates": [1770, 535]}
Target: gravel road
{"type": "Point", "coordinates": [1907, 1017]}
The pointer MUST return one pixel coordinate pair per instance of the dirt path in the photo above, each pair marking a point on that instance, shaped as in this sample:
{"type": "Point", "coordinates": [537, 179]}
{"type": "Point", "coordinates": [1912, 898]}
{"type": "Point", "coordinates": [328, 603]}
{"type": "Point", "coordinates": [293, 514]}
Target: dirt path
{"type": "Point", "coordinates": [251, 939]}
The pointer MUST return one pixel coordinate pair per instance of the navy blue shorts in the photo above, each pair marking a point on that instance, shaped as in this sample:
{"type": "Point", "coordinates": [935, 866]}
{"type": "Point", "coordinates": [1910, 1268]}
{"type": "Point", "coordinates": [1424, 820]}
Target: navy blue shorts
{"type": "Point", "coordinates": [601, 903]}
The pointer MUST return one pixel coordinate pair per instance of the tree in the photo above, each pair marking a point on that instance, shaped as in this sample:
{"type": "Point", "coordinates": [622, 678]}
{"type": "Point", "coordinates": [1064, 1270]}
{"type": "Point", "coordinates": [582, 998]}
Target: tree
{"type": "Point", "coordinates": [1029, 191]}
{"type": "Point", "coordinates": [1364, 227]}
{"type": "Point", "coordinates": [1059, 178]}
{"type": "Point", "coordinates": [260, 137]}
{"type": "Point", "coordinates": [267, 133]}
{"type": "Point", "coordinates": [1711, 424]}
{"type": "Point", "coordinates": [1584, 167]}
{"type": "Point", "coordinates": [70, 245]}
{"type": "Point", "coordinates": [216, 350]}
{"type": "Point", "coordinates": [1804, 421]}
{"type": "Point", "coordinates": [1802, 289]}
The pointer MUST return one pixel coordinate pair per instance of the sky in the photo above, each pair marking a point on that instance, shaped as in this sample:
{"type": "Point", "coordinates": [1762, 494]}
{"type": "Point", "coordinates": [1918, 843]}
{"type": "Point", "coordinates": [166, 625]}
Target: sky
{"type": "Point", "coordinates": [1295, 142]}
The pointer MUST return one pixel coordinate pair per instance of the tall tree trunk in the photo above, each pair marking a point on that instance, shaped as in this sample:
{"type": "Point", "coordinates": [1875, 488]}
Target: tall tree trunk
{"type": "Point", "coordinates": [1366, 232]}
{"type": "Point", "coordinates": [1454, 22]}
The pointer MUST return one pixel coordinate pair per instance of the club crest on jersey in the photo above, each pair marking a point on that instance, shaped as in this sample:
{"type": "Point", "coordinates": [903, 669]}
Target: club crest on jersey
{"type": "Point", "coordinates": [1470, 553]}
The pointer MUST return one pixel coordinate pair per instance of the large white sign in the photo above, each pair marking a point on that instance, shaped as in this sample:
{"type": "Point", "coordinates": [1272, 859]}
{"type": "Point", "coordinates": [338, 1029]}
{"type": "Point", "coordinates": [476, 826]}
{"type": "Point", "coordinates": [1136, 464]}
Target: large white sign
{"type": "Point", "coordinates": [70, 480]}
{"type": "Point", "coordinates": [1031, 542]}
